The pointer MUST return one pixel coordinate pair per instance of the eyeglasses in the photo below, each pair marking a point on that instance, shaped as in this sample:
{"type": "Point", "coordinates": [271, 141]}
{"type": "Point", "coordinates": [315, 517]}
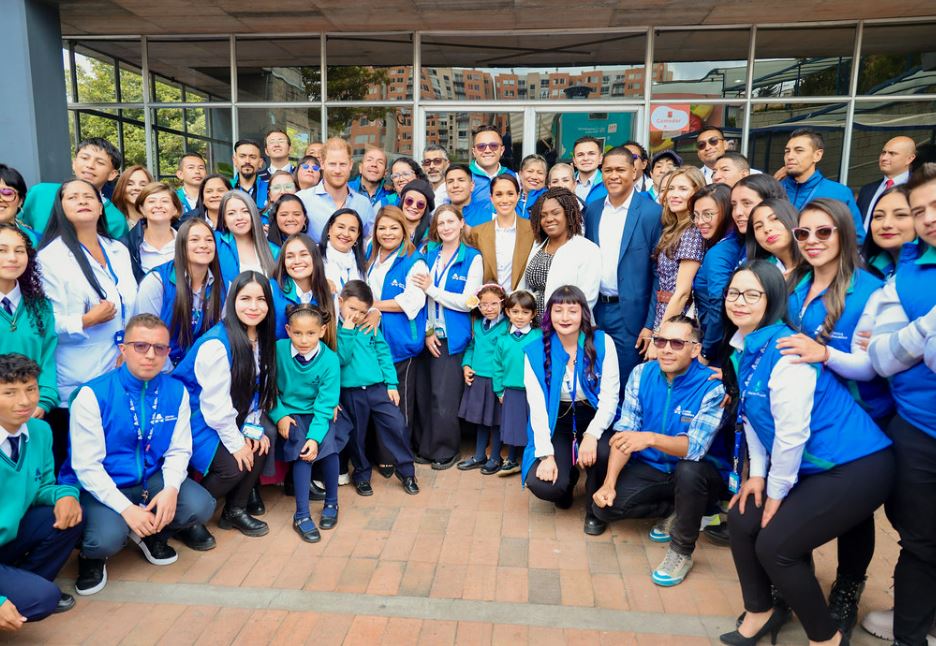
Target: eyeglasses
{"type": "Point", "coordinates": [802, 234]}
{"type": "Point", "coordinates": [701, 144]}
{"type": "Point", "coordinates": [676, 344]}
{"type": "Point", "coordinates": [489, 306]}
{"type": "Point", "coordinates": [141, 347]}
{"type": "Point", "coordinates": [491, 146]}
{"type": "Point", "coordinates": [283, 187]}
{"type": "Point", "coordinates": [8, 194]}
{"type": "Point", "coordinates": [751, 296]}
{"type": "Point", "coordinates": [703, 216]}
{"type": "Point", "coordinates": [433, 162]}
{"type": "Point", "coordinates": [310, 168]}
{"type": "Point", "coordinates": [404, 175]}
{"type": "Point", "coordinates": [419, 204]}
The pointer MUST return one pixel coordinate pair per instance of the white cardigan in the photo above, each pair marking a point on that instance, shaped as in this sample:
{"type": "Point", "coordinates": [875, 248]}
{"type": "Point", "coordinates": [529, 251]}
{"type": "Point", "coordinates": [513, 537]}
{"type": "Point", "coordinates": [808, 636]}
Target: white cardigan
{"type": "Point", "coordinates": [577, 262]}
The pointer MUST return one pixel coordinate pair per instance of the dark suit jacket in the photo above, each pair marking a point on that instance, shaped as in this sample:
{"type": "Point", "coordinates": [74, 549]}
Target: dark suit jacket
{"type": "Point", "coordinates": [865, 195]}
{"type": "Point", "coordinates": [636, 272]}
{"type": "Point", "coordinates": [482, 238]}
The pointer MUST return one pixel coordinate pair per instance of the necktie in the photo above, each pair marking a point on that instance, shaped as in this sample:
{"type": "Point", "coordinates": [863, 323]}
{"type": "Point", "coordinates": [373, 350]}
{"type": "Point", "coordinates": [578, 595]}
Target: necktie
{"type": "Point", "coordinates": [302, 360]}
{"type": "Point", "coordinates": [7, 305]}
{"type": "Point", "coordinates": [487, 324]}
{"type": "Point", "coordinates": [888, 184]}
{"type": "Point", "coordinates": [518, 334]}
{"type": "Point", "coordinates": [14, 447]}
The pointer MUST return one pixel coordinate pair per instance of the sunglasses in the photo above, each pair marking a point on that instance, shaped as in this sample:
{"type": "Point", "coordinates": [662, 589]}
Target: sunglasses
{"type": "Point", "coordinates": [310, 167]}
{"type": "Point", "coordinates": [433, 162]}
{"type": "Point", "coordinates": [491, 146]}
{"type": "Point", "coordinates": [802, 234]}
{"type": "Point", "coordinates": [141, 347]}
{"type": "Point", "coordinates": [676, 344]}
{"type": "Point", "coordinates": [711, 141]}
{"type": "Point", "coordinates": [419, 204]}
{"type": "Point", "coordinates": [8, 194]}
{"type": "Point", "coordinates": [751, 296]}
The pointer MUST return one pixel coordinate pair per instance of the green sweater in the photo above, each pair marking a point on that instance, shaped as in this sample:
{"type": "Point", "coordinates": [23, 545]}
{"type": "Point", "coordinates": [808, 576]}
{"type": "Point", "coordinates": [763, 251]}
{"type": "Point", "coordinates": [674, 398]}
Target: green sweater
{"type": "Point", "coordinates": [365, 359]}
{"type": "Point", "coordinates": [479, 355]}
{"type": "Point", "coordinates": [19, 334]}
{"type": "Point", "coordinates": [37, 210]}
{"type": "Point", "coordinates": [509, 360]}
{"type": "Point", "coordinates": [311, 389]}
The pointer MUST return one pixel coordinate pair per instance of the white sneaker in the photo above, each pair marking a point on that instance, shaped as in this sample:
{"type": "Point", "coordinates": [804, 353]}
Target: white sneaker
{"type": "Point", "coordinates": [343, 479]}
{"type": "Point", "coordinates": [673, 570]}
{"type": "Point", "coordinates": [880, 623]}
{"type": "Point", "coordinates": [660, 532]}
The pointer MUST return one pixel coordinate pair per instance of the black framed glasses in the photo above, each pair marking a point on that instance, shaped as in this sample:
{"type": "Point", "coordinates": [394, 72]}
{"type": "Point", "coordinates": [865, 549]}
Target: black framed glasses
{"type": "Point", "coordinates": [750, 296]}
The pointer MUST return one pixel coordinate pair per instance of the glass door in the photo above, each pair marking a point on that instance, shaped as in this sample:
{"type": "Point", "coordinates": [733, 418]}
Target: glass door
{"type": "Point", "coordinates": [554, 131]}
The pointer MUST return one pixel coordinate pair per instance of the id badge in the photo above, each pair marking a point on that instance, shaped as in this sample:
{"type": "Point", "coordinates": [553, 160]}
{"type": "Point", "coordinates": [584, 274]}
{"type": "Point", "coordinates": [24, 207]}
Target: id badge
{"type": "Point", "coordinates": [734, 482]}
{"type": "Point", "coordinates": [252, 431]}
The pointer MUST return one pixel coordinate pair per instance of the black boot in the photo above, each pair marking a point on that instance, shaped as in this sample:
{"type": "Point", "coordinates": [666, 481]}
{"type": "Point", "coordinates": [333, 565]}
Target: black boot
{"type": "Point", "coordinates": [843, 602]}
{"type": "Point", "coordinates": [238, 518]}
{"type": "Point", "coordinates": [255, 506]}
{"type": "Point", "coordinates": [197, 537]}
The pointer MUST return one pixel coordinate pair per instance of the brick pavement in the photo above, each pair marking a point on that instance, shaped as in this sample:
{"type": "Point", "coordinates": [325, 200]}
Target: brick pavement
{"type": "Point", "coordinates": [471, 560]}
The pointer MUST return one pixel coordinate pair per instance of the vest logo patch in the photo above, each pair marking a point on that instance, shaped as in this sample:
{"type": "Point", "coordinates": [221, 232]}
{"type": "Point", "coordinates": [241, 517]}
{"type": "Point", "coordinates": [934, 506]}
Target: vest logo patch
{"type": "Point", "coordinates": [396, 283]}
{"type": "Point", "coordinates": [162, 419]}
{"type": "Point", "coordinates": [459, 277]}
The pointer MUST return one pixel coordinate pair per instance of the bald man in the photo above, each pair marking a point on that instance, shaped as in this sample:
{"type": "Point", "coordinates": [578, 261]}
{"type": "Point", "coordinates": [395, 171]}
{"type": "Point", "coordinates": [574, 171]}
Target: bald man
{"type": "Point", "coordinates": [894, 161]}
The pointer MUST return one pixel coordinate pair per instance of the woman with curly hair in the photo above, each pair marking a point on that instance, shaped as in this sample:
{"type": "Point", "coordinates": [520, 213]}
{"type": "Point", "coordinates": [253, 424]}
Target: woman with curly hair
{"type": "Point", "coordinates": [26, 323]}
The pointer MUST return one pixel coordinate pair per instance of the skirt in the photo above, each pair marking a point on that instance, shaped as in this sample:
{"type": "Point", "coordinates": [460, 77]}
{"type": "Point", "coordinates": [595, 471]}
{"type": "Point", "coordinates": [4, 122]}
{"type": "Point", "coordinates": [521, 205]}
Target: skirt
{"type": "Point", "coordinates": [479, 404]}
{"type": "Point", "coordinates": [515, 413]}
{"type": "Point", "coordinates": [334, 441]}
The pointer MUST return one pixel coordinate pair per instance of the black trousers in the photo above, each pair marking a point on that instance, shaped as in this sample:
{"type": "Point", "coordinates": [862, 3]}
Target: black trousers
{"type": "Point", "coordinates": [912, 510]}
{"type": "Point", "coordinates": [439, 385]}
{"type": "Point", "coordinates": [58, 418]}
{"type": "Point", "coordinates": [224, 478]}
{"type": "Point", "coordinates": [561, 491]}
{"type": "Point", "coordinates": [362, 405]}
{"type": "Point", "coordinates": [818, 508]}
{"type": "Point", "coordinates": [645, 492]}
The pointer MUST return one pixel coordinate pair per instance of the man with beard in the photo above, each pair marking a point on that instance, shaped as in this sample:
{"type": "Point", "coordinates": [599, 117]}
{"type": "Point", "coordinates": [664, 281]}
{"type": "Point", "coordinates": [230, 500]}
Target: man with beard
{"type": "Point", "coordinates": [247, 162]}
{"type": "Point", "coordinates": [435, 162]}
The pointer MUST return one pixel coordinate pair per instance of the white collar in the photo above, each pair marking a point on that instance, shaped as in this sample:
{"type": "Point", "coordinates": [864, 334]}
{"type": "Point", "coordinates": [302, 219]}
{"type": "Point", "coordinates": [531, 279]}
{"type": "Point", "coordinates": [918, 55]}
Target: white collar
{"type": "Point", "coordinates": [899, 179]}
{"type": "Point", "coordinates": [525, 329]}
{"type": "Point", "coordinates": [343, 259]}
{"type": "Point", "coordinates": [22, 431]}
{"type": "Point", "coordinates": [15, 295]}
{"type": "Point", "coordinates": [625, 206]}
{"type": "Point", "coordinates": [513, 227]}
{"type": "Point", "coordinates": [737, 341]}
{"type": "Point", "coordinates": [309, 355]}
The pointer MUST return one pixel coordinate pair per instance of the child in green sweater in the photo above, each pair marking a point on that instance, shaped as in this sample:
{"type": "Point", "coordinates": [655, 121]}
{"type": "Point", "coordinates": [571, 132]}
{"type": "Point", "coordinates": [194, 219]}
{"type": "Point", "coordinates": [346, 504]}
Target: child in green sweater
{"type": "Point", "coordinates": [479, 406]}
{"type": "Point", "coordinates": [40, 521]}
{"type": "Point", "coordinates": [369, 391]}
{"type": "Point", "coordinates": [520, 307]}
{"type": "Point", "coordinates": [307, 381]}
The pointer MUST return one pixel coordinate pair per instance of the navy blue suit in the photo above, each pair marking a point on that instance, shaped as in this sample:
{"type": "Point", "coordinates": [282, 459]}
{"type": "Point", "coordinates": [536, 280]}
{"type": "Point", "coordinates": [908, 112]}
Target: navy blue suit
{"type": "Point", "coordinates": [636, 277]}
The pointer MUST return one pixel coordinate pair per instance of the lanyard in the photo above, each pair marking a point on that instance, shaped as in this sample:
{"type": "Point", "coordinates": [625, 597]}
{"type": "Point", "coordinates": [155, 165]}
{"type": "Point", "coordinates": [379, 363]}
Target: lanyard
{"type": "Point", "coordinates": [135, 419]}
{"type": "Point", "coordinates": [734, 478]}
{"type": "Point", "coordinates": [113, 275]}
{"type": "Point", "coordinates": [437, 277]}
{"type": "Point", "coordinates": [573, 390]}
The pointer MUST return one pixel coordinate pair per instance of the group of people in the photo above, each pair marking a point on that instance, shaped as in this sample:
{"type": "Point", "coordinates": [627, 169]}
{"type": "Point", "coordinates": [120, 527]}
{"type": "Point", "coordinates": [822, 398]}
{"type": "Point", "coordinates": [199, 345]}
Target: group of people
{"type": "Point", "coordinates": [729, 353]}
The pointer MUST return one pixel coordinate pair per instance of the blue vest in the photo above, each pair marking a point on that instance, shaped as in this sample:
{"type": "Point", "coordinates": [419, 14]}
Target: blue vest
{"type": "Point", "coordinates": [669, 408]}
{"type": "Point", "coordinates": [405, 337]}
{"type": "Point", "coordinates": [167, 275]}
{"type": "Point", "coordinates": [873, 395]}
{"type": "Point", "coordinates": [708, 290]}
{"type": "Point", "coordinates": [558, 359]}
{"type": "Point", "coordinates": [205, 439]}
{"type": "Point", "coordinates": [283, 297]}
{"type": "Point", "coordinates": [478, 212]}
{"type": "Point", "coordinates": [128, 460]}
{"type": "Point", "coordinates": [457, 324]}
{"type": "Point", "coordinates": [379, 198]}
{"type": "Point", "coordinates": [840, 431]}
{"type": "Point", "coordinates": [914, 389]}
{"type": "Point", "coordinates": [526, 202]}
{"type": "Point", "coordinates": [228, 257]}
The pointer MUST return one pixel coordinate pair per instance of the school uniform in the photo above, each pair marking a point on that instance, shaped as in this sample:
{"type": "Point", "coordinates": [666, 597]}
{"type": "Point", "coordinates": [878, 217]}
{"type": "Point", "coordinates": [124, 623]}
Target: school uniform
{"type": "Point", "coordinates": [284, 295]}
{"type": "Point", "coordinates": [129, 440]}
{"type": "Point", "coordinates": [828, 462]}
{"type": "Point", "coordinates": [440, 381]}
{"type": "Point", "coordinates": [19, 332]}
{"type": "Point", "coordinates": [367, 373]}
{"type": "Point", "coordinates": [563, 409]}
{"type": "Point", "coordinates": [479, 405]}
{"type": "Point", "coordinates": [189, 203]}
{"type": "Point", "coordinates": [229, 258]}
{"type": "Point", "coordinates": [507, 382]}
{"type": "Point", "coordinates": [708, 291]}
{"type": "Point", "coordinates": [32, 552]}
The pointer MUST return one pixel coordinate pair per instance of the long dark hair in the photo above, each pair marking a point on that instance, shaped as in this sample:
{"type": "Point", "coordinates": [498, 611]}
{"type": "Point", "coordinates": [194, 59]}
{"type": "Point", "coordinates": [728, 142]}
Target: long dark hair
{"type": "Point", "coordinates": [261, 248]}
{"type": "Point", "coordinates": [570, 206]}
{"type": "Point", "coordinates": [788, 216]}
{"type": "Point", "coordinates": [61, 227]}
{"type": "Point", "coordinates": [721, 195]}
{"type": "Point", "coordinates": [180, 325]}
{"type": "Point", "coordinates": [320, 290]}
{"type": "Point", "coordinates": [571, 295]}
{"type": "Point", "coordinates": [275, 234]}
{"type": "Point", "coordinates": [30, 282]}
{"type": "Point", "coordinates": [763, 184]}
{"type": "Point", "coordinates": [357, 249]}
{"type": "Point", "coordinates": [243, 370]}
{"type": "Point", "coordinates": [870, 249]}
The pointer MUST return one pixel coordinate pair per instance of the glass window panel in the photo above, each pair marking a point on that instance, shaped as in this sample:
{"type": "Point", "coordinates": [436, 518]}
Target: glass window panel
{"type": "Point", "coordinates": [556, 132]}
{"type": "Point", "coordinates": [98, 123]}
{"type": "Point", "coordinates": [203, 130]}
{"type": "Point", "coordinates": [771, 125]}
{"type": "Point", "coordinates": [134, 144]}
{"type": "Point", "coordinates": [66, 63]}
{"type": "Point", "coordinates": [131, 84]}
{"type": "Point", "coordinates": [803, 62]}
{"type": "Point", "coordinates": [203, 66]}
{"type": "Point", "coordinates": [454, 131]}
{"type": "Point", "coordinates": [700, 64]}
{"type": "Point", "coordinates": [95, 62]}
{"type": "Point", "coordinates": [352, 75]}
{"type": "Point", "coordinates": [898, 59]}
{"type": "Point", "coordinates": [875, 123]}
{"type": "Point", "coordinates": [676, 126]}
{"type": "Point", "coordinates": [303, 125]}
{"type": "Point", "coordinates": [166, 91]}
{"type": "Point", "coordinates": [389, 128]}
{"type": "Point", "coordinates": [534, 67]}
{"type": "Point", "coordinates": [281, 69]}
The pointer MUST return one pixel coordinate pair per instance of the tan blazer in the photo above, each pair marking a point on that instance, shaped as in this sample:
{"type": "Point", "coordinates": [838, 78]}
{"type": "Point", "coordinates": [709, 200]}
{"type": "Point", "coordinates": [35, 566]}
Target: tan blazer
{"type": "Point", "coordinates": [482, 237]}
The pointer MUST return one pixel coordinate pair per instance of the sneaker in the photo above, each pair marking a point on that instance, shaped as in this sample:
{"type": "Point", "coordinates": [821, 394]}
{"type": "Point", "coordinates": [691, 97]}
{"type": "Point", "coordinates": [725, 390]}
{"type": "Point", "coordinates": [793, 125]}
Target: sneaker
{"type": "Point", "coordinates": [880, 623]}
{"type": "Point", "coordinates": [661, 531]}
{"type": "Point", "coordinates": [343, 479]}
{"type": "Point", "coordinates": [673, 570]}
{"type": "Point", "coordinates": [92, 576]}
{"type": "Point", "coordinates": [156, 550]}
{"type": "Point", "coordinates": [508, 468]}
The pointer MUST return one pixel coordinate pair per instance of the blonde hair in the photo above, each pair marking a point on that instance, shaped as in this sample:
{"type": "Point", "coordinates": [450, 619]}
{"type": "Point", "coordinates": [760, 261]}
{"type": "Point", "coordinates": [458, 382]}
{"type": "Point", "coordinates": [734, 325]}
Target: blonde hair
{"type": "Point", "coordinates": [396, 214]}
{"type": "Point", "coordinates": [158, 187]}
{"type": "Point", "coordinates": [674, 224]}
{"type": "Point", "coordinates": [336, 143]}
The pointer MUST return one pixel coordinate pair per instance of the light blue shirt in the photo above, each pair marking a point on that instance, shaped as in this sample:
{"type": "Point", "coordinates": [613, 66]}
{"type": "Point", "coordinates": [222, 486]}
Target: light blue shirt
{"type": "Point", "coordinates": [319, 207]}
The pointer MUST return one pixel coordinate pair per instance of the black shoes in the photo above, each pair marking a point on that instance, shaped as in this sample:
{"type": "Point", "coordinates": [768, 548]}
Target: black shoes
{"type": "Point", "coordinates": [470, 464]}
{"type": "Point", "coordinates": [409, 484]}
{"type": "Point", "coordinates": [594, 526]}
{"type": "Point", "coordinates": [255, 506]}
{"type": "Point", "coordinates": [329, 517]}
{"type": "Point", "coordinates": [65, 603]}
{"type": "Point", "coordinates": [92, 576]}
{"type": "Point", "coordinates": [386, 470]}
{"type": "Point", "coordinates": [418, 459]}
{"type": "Point", "coordinates": [491, 467]}
{"type": "Point", "coordinates": [307, 530]}
{"type": "Point", "coordinates": [772, 628]}
{"type": "Point", "coordinates": [442, 465]}
{"type": "Point", "coordinates": [718, 534]}
{"type": "Point", "coordinates": [156, 550]}
{"type": "Point", "coordinates": [363, 488]}
{"type": "Point", "coordinates": [843, 602]}
{"type": "Point", "coordinates": [197, 537]}
{"type": "Point", "coordinates": [238, 518]}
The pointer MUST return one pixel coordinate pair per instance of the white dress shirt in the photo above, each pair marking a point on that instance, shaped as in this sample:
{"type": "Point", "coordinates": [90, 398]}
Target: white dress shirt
{"type": "Point", "coordinates": [412, 299]}
{"type": "Point", "coordinates": [451, 300]}
{"type": "Point", "coordinates": [505, 240]}
{"type": "Point", "coordinates": [610, 233]}
{"type": "Point", "coordinates": [308, 356]}
{"type": "Point", "coordinates": [22, 432]}
{"type": "Point", "coordinates": [898, 180]}
{"type": "Point", "coordinates": [15, 296]}
{"type": "Point", "coordinates": [151, 257]}
{"type": "Point", "coordinates": [213, 373]}
{"type": "Point", "coordinates": [707, 173]}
